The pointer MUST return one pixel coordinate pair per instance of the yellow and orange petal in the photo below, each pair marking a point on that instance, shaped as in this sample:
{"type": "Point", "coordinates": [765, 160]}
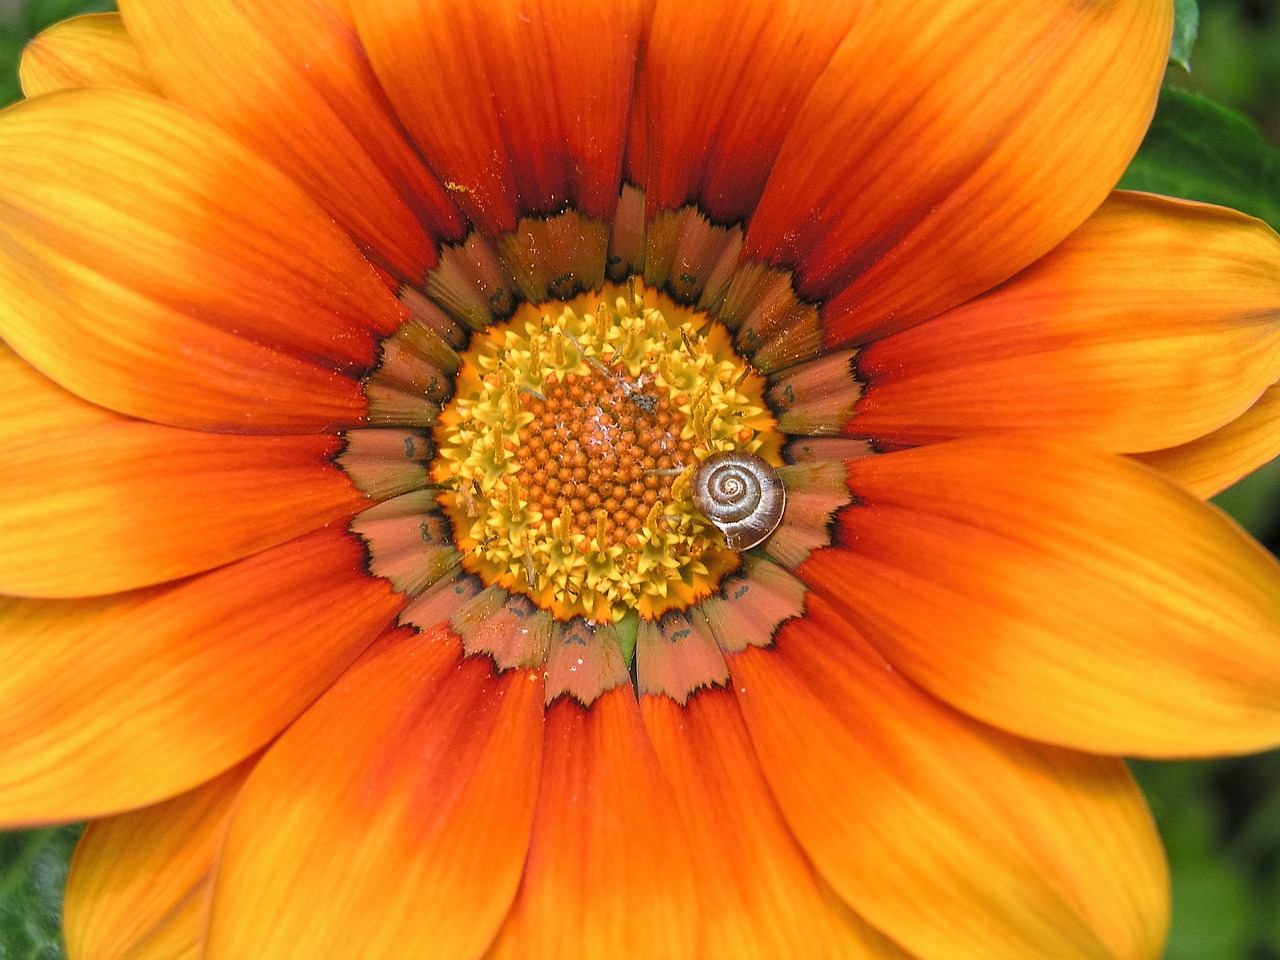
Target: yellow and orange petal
{"type": "Point", "coordinates": [608, 833]}
{"type": "Point", "coordinates": [756, 887]}
{"type": "Point", "coordinates": [1155, 323]}
{"type": "Point", "coordinates": [140, 882]}
{"type": "Point", "coordinates": [156, 267]}
{"type": "Point", "coordinates": [980, 136]}
{"type": "Point", "coordinates": [511, 132]}
{"type": "Point", "coordinates": [115, 702]}
{"type": "Point", "coordinates": [93, 503]}
{"type": "Point", "coordinates": [1210, 464]}
{"type": "Point", "coordinates": [392, 818]}
{"type": "Point", "coordinates": [292, 83]}
{"type": "Point", "coordinates": [1016, 848]}
{"type": "Point", "coordinates": [1084, 599]}
{"type": "Point", "coordinates": [713, 143]}
{"type": "Point", "coordinates": [750, 774]}
{"type": "Point", "coordinates": [93, 50]}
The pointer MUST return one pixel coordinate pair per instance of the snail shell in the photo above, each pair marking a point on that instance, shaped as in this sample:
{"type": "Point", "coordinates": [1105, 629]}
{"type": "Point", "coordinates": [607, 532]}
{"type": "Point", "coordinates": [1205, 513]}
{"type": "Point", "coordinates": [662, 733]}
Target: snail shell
{"type": "Point", "coordinates": [741, 494]}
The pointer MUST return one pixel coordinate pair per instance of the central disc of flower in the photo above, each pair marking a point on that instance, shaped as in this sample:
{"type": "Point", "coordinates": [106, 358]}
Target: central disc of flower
{"type": "Point", "coordinates": [568, 454]}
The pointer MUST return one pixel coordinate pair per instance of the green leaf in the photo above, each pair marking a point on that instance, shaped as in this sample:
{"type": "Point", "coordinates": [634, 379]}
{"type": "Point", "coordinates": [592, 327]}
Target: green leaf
{"type": "Point", "coordinates": [1199, 150]}
{"type": "Point", "coordinates": [33, 870]}
{"type": "Point", "coordinates": [628, 633]}
{"type": "Point", "coordinates": [1186, 24]}
{"type": "Point", "coordinates": [10, 51]}
{"type": "Point", "coordinates": [1254, 502]}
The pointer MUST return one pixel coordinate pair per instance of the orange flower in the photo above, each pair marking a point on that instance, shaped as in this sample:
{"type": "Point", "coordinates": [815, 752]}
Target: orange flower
{"type": "Point", "coordinates": [369, 364]}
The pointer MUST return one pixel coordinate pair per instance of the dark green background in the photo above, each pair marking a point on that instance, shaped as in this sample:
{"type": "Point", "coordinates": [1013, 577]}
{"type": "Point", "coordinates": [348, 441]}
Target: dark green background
{"type": "Point", "coordinates": [1220, 819]}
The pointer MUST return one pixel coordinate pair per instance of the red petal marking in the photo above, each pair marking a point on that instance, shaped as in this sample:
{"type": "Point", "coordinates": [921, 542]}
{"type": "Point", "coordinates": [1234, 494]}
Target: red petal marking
{"type": "Point", "coordinates": [556, 258]}
{"type": "Point", "coordinates": [292, 82]}
{"type": "Point", "coordinates": [723, 84]}
{"type": "Point", "coordinates": [817, 397]}
{"type": "Point", "coordinates": [392, 819]}
{"type": "Point", "coordinates": [508, 629]}
{"type": "Point", "coordinates": [627, 238]}
{"type": "Point", "coordinates": [388, 462]}
{"type": "Point", "coordinates": [772, 325]}
{"type": "Point", "coordinates": [824, 449]}
{"type": "Point", "coordinates": [752, 604]}
{"type": "Point", "coordinates": [815, 491]}
{"type": "Point", "coordinates": [416, 365]}
{"type": "Point", "coordinates": [689, 257]}
{"type": "Point", "coordinates": [472, 283]}
{"type": "Point", "coordinates": [609, 872]}
{"type": "Point", "coordinates": [1018, 849]}
{"type": "Point", "coordinates": [440, 601]}
{"type": "Point", "coordinates": [1065, 595]}
{"type": "Point", "coordinates": [117, 702]}
{"type": "Point", "coordinates": [521, 107]}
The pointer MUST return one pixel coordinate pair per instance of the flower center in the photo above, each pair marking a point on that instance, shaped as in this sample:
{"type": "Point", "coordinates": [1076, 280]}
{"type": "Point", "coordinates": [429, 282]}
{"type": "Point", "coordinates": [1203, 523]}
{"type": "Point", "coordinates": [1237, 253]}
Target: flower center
{"type": "Point", "coordinates": [569, 454]}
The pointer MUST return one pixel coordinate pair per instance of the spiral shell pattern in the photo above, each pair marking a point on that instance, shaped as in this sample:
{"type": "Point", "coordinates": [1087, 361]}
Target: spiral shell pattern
{"type": "Point", "coordinates": [741, 494]}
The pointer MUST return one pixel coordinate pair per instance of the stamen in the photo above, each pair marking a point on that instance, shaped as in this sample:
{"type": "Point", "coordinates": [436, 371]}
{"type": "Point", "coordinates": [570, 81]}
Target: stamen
{"type": "Point", "coordinates": [566, 458]}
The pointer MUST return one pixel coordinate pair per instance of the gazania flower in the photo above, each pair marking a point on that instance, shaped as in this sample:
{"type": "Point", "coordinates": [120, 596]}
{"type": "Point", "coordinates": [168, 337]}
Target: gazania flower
{"type": "Point", "coordinates": [618, 479]}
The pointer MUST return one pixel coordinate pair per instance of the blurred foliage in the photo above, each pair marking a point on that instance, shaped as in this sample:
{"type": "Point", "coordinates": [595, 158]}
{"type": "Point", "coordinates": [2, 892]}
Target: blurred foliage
{"type": "Point", "coordinates": [1236, 60]}
{"type": "Point", "coordinates": [33, 869]}
{"type": "Point", "coordinates": [1220, 819]}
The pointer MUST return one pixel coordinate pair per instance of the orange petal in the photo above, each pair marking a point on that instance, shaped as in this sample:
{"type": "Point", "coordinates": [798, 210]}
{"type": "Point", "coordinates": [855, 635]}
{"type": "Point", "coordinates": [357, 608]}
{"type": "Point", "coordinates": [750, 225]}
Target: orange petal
{"type": "Point", "coordinates": [1156, 322]}
{"type": "Point", "coordinates": [718, 119]}
{"type": "Point", "coordinates": [291, 81]}
{"type": "Point", "coordinates": [392, 819]}
{"type": "Point", "coordinates": [153, 265]}
{"type": "Point", "coordinates": [1074, 597]}
{"type": "Point", "coordinates": [92, 502]}
{"type": "Point", "coordinates": [140, 882]}
{"type": "Point", "coordinates": [521, 107]}
{"type": "Point", "coordinates": [121, 701]}
{"type": "Point", "coordinates": [1210, 464]}
{"type": "Point", "coordinates": [949, 144]}
{"type": "Point", "coordinates": [759, 897]}
{"type": "Point", "coordinates": [960, 842]}
{"type": "Point", "coordinates": [608, 873]}
{"type": "Point", "coordinates": [92, 50]}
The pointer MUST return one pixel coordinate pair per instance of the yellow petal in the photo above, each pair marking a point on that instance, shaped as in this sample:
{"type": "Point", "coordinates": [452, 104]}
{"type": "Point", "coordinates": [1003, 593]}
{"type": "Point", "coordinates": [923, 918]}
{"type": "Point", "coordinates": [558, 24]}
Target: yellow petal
{"type": "Point", "coordinates": [1208, 465]}
{"type": "Point", "coordinates": [93, 50]}
{"type": "Point", "coordinates": [140, 882]}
